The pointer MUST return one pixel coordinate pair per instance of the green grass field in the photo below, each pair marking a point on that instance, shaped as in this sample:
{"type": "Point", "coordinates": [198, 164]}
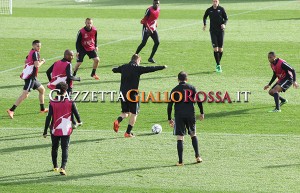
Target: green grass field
{"type": "Point", "coordinates": [244, 148]}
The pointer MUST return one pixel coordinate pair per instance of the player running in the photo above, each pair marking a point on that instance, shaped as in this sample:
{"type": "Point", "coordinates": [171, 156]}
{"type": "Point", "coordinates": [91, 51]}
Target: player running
{"type": "Point", "coordinates": [149, 29]}
{"type": "Point", "coordinates": [286, 77]}
{"type": "Point", "coordinates": [29, 75]}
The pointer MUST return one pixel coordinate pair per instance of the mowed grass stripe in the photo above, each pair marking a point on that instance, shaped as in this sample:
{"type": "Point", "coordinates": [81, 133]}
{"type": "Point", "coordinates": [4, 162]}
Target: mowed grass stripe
{"type": "Point", "coordinates": [242, 163]}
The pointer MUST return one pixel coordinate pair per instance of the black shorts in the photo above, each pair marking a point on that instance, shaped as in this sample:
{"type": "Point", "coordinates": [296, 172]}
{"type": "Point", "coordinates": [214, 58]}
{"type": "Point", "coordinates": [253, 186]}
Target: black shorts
{"type": "Point", "coordinates": [217, 38]}
{"type": "Point", "coordinates": [31, 84]}
{"type": "Point", "coordinates": [183, 123]}
{"type": "Point", "coordinates": [131, 107]}
{"type": "Point", "coordinates": [82, 53]}
{"type": "Point", "coordinates": [284, 84]}
{"type": "Point", "coordinates": [146, 34]}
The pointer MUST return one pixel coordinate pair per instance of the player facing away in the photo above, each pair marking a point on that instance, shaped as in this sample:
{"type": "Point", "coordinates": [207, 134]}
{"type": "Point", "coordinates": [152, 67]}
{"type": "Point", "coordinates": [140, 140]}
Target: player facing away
{"type": "Point", "coordinates": [286, 77]}
{"type": "Point", "coordinates": [130, 78]}
{"type": "Point", "coordinates": [218, 20]}
{"type": "Point", "coordinates": [149, 29]}
{"type": "Point", "coordinates": [29, 75]}
{"type": "Point", "coordinates": [86, 44]}
{"type": "Point", "coordinates": [60, 120]}
{"type": "Point", "coordinates": [185, 118]}
{"type": "Point", "coordinates": [61, 71]}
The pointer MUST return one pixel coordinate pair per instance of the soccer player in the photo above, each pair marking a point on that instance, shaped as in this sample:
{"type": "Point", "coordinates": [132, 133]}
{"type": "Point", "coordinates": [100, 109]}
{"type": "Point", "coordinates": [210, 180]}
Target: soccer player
{"type": "Point", "coordinates": [185, 119]}
{"type": "Point", "coordinates": [60, 116]}
{"type": "Point", "coordinates": [286, 77]}
{"type": "Point", "coordinates": [149, 29]}
{"type": "Point", "coordinates": [86, 44]}
{"type": "Point", "coordinates": [29, 75]}
{"type": "Point", "coordinates": [130, 78]}
{"type": "Point", "coordinates": [61, 70]}
{"type": "Point", "coordinates": [218, 20]}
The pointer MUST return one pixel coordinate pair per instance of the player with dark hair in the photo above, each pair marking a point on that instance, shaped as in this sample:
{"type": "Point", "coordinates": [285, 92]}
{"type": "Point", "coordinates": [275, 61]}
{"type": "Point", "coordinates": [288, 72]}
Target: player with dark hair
{"type": "Point", "coordinates": [60, 116]}
{"type": "Point", "coordinates": [286, 77]}
{"type": "Point", "coordinates": [184, 116]}
{"type": "Point", "coordinates": [29, 75]}
{"type": "Point", "coordinates": [149, 29]}
{"type": "Point", "coordinates": [61, 71]}
{"type": "Point", "coordinates": [130, 78]}
{"type": "Point", "coordinates": [218, 20]}
{"type": "Point", "coordinates": [86, 44]}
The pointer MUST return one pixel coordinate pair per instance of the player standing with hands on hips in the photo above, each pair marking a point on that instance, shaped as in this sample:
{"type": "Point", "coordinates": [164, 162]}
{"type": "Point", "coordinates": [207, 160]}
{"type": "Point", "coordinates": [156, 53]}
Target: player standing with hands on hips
{"type": "Point", "coordinates": [185, 119]}
{"type": "Point", "coordinates": [149, 29]}
{"type": "Point", "coordinates": [86, 44]}
{"type": "Point", "coordinates": [286, 77]}
{"type": "Point", "coordinates": [218, 20]}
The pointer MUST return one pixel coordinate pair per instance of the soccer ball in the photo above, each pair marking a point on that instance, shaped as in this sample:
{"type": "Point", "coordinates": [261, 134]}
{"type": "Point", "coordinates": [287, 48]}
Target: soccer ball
{"type": "Point", "coordinates": [156, 128]}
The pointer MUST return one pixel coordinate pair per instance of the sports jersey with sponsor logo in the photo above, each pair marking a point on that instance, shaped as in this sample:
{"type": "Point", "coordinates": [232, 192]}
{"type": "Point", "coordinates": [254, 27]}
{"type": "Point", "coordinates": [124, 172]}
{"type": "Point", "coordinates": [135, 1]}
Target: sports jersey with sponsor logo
{"type": "Point", "coordinates": [88, 38]}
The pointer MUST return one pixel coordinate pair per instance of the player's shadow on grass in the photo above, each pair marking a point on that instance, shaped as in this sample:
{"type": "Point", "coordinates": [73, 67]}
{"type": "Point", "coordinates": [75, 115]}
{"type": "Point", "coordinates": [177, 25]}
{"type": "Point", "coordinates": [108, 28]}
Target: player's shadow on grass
{"type": "Point", "coordinates": [10, 180]}
{"type": "Point", "coordinates": [20, 138]}
{"type": "Point", "coordinates": [11, 86]}
{"type": "Point", "coordinates": [23, 134]}
{"type": "Point", "coordinates": [146, 134]}
{"type": "Point", "coordinates": [281, 166]}
{"type": "Point", "coordinates": [40, 146]}
{"type": "Point", "coordinates": [285, 19]}
{"type": "Point", "coordinates": [19, 115]}
{"type": "Point", "coordinates": [230, 113]}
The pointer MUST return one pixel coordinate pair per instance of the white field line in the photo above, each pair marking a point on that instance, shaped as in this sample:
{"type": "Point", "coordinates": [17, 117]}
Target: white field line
{"type": "Point", "coordinates": [78, 131]}
{"type": "Point", "coordinates": [163, 30]}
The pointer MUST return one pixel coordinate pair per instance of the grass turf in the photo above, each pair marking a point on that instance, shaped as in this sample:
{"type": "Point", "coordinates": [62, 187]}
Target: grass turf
{"type": "Point", "coordinates": [245, 149]}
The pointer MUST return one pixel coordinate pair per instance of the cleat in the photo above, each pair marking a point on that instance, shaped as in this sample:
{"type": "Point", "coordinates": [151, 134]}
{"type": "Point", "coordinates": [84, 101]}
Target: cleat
{"type": "Point", "coordinates": [10, 113]}
{"type": "Point", "coordinates": [218, 68]}
{"type": "Point", "coordinates": [282, 103]}
{"type": "Point", "coordinates": [56, 169]}
{"type": "Point", "coordinates": [116, 126]}
{"type": "Point", "coordinates": [130, 135]}
{"type": "Point", "coordinates": [44, 111]}
{"type": "Point", "coordinates": [95, 77]}
{"type": "Point", "coordinates": [62, 172]}
{"type": "Point", "coordinates": [199, 159]}
{"type": "Point", "coordinates": [151, 60]}
{"type": "Point", "coordinates": [275, 111]}
{"type": "Point", "coordinates": [179, 164]}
